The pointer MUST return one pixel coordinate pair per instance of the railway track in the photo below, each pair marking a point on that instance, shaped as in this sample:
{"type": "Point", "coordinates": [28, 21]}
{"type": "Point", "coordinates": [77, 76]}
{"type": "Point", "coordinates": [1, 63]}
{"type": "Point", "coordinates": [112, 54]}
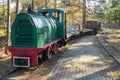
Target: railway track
{"type": "Point", "coordinates": [18, 70]}
{"type": "Point", "coordinates": [112, 50]}
{"type": "Point", "coordinates": [7, 73]}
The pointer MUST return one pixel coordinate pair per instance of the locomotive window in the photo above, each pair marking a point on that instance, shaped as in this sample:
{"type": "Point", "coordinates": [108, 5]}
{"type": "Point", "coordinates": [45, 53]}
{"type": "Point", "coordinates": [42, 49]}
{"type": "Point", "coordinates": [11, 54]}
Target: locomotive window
{"type": "Point", "coordinates": [55, 14]}
{"type": "Point", "coordinates": [45, 14]}
{"type": "Point", "coordinates": [58, 16]}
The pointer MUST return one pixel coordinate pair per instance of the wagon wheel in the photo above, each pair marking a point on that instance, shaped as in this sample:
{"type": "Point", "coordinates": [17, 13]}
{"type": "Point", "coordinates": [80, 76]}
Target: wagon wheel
{"type": "Point", "coordinates": [49, 53]}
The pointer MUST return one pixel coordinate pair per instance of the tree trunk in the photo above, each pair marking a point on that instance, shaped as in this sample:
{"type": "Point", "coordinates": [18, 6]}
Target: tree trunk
{"type": "Point", "coordinates": [3, 16]}
{"type": "Point", "coordinates": [46, 4]}
{"type": "Point", "coordinates": [55, 4]}
{"type": "Point", "coordinates": [84, 14]}
{"type": "Point", "coordinates": [8, 27]}
{"type": "Point", "coordinates": [17, 5]}
{"type": "Point", "coordinates": [32, 5]}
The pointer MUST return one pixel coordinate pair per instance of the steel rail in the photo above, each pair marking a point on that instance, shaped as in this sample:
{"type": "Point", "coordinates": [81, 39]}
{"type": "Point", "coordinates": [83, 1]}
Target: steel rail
{"type": "Point", "coordinates": [7, 73]}
{"type": "Point", "coordinates": [116, 58]}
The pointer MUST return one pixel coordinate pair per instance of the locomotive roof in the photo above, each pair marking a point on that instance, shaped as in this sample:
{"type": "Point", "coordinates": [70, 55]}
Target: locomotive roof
{"type": "Point", "coordinates": [50, 10]}
{"type": "Point", "coordinates": [35, 19]}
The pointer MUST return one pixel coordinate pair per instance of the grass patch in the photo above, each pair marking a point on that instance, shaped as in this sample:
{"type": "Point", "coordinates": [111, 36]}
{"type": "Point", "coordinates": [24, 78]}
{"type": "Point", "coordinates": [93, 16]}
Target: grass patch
{"type": "Point", "coordinates": [2, 41]}
{"type": "Point", "coordinates": [2, 32]}
{"type": "Point", "coordinates": [118, 74]}
{"type": "Point", "coordinates": [2, 38]}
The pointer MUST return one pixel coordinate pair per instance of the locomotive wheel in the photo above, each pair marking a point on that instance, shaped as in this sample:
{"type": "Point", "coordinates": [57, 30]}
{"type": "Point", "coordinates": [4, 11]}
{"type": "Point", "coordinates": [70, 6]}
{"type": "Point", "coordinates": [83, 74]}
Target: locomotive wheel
{"type": "Point", "coordinates": [48, 53]}
{"type": "Point", "coordinates": [54, 48]}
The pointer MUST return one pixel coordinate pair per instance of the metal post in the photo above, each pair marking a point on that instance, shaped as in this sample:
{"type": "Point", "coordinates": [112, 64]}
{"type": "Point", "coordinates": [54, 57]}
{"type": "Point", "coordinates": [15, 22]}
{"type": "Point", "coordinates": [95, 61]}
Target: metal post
{"type": "Point", "coordinates": [65, 26]}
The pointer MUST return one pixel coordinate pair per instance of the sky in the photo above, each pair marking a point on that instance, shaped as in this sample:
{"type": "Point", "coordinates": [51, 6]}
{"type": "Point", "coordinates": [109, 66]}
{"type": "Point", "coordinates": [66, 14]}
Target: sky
{"type": "Point", "coordinates": [5, 1]}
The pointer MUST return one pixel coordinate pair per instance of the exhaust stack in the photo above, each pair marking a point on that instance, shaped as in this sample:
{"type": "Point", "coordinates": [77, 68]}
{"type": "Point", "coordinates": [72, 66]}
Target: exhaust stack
{"type": "Point", "coordinates": [30, 9]}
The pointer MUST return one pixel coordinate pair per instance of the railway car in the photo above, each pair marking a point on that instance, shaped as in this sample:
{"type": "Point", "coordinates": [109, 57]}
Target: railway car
{"type": "Point", "coordinates": [73, 31]}
{"type": "Point", "coordinates": [93, 25]}
{"type": "Point", "coordinates": [35, 35]}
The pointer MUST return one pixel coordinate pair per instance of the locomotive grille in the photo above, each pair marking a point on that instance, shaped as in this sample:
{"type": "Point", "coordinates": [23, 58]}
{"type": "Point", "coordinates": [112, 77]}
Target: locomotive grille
{"type": "Point", "coordinates": [21, 61]}
{"type": "Point", "coordinates": [24, 33]}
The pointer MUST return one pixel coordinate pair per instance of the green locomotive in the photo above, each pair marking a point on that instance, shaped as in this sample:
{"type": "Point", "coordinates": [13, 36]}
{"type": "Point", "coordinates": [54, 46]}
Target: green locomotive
{"type": "Point", "coordinates": [35, 34]}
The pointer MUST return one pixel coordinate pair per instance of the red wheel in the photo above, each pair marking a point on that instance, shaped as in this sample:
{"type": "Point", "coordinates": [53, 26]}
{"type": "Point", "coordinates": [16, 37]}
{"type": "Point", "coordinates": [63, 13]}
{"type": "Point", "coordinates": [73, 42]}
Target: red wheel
{"type": "Point", "coordinates": [49, 52]}
{"type": "Point", "coordinates": [54, 48]}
